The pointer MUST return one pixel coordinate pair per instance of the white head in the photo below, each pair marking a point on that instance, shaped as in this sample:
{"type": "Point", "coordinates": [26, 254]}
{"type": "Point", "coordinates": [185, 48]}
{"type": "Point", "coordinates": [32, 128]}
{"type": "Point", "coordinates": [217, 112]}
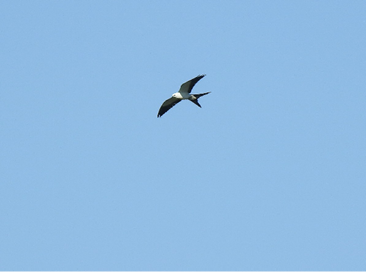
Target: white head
{"type": "Point", "coordinates": [177, 95]}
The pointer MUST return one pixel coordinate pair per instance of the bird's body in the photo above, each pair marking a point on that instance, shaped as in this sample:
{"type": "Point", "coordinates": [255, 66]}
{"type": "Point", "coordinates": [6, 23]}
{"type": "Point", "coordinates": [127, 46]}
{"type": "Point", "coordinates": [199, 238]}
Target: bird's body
{"type": "Point", "coordinates": [184, 93]}
{"type": "Point", "coordinates": [181, 95]}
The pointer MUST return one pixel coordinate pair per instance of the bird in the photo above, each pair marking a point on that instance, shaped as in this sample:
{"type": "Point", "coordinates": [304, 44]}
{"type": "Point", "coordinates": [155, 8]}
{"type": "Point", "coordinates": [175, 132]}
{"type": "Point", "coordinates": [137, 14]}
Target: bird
{"type": "Point", "coordinates": [183, 94]}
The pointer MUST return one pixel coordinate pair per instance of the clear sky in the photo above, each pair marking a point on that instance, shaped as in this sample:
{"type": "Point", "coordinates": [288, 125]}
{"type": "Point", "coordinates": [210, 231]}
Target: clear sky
{"type": "Point", "coordinates": [270, 174]}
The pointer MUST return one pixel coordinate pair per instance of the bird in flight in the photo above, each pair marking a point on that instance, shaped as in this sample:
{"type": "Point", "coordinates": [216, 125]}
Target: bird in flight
{"type": "Point", "coordinates": [183, 93]}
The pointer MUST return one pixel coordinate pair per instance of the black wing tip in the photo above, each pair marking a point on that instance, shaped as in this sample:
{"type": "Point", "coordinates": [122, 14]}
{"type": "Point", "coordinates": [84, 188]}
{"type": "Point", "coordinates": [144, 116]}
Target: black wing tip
{"type": "Point", "coordinates": [199, 77]}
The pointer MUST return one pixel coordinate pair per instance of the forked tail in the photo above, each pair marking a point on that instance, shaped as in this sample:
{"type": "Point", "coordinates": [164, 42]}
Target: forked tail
{"type": "Point", "coordinates": [195, 101]}
{"type": "Point", "coordinates": [199, 95]}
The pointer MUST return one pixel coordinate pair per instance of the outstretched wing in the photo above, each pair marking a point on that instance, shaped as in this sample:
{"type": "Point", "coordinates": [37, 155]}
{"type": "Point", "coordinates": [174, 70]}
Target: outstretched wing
{"type": "Point", "coordinates": [188, 86]}
{"type": "Point", "coordinates": [167, 105]}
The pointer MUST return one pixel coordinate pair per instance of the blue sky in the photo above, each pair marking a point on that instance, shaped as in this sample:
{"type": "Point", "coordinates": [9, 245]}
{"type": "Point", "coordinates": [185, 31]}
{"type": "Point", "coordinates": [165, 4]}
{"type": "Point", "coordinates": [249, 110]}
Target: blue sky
{"type": "Point", "coordinates": [270, 174]}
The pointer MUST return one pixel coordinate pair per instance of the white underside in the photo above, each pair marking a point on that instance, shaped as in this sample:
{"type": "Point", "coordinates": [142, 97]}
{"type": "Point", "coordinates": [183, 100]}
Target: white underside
{"type": "Point", "coordinates": [182, 95]}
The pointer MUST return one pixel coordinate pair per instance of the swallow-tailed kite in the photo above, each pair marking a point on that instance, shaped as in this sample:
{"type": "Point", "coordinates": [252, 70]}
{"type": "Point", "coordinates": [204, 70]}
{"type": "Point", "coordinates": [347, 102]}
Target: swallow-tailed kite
{"type": "Point", "coordinates": [183, 93]}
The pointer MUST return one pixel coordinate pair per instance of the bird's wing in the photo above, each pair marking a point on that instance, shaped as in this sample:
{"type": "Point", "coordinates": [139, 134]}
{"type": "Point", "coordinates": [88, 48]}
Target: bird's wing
{"type": "Point", "coordinates": [188, 86]}
{"type": "Point", "coordinates": [167, 105]}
